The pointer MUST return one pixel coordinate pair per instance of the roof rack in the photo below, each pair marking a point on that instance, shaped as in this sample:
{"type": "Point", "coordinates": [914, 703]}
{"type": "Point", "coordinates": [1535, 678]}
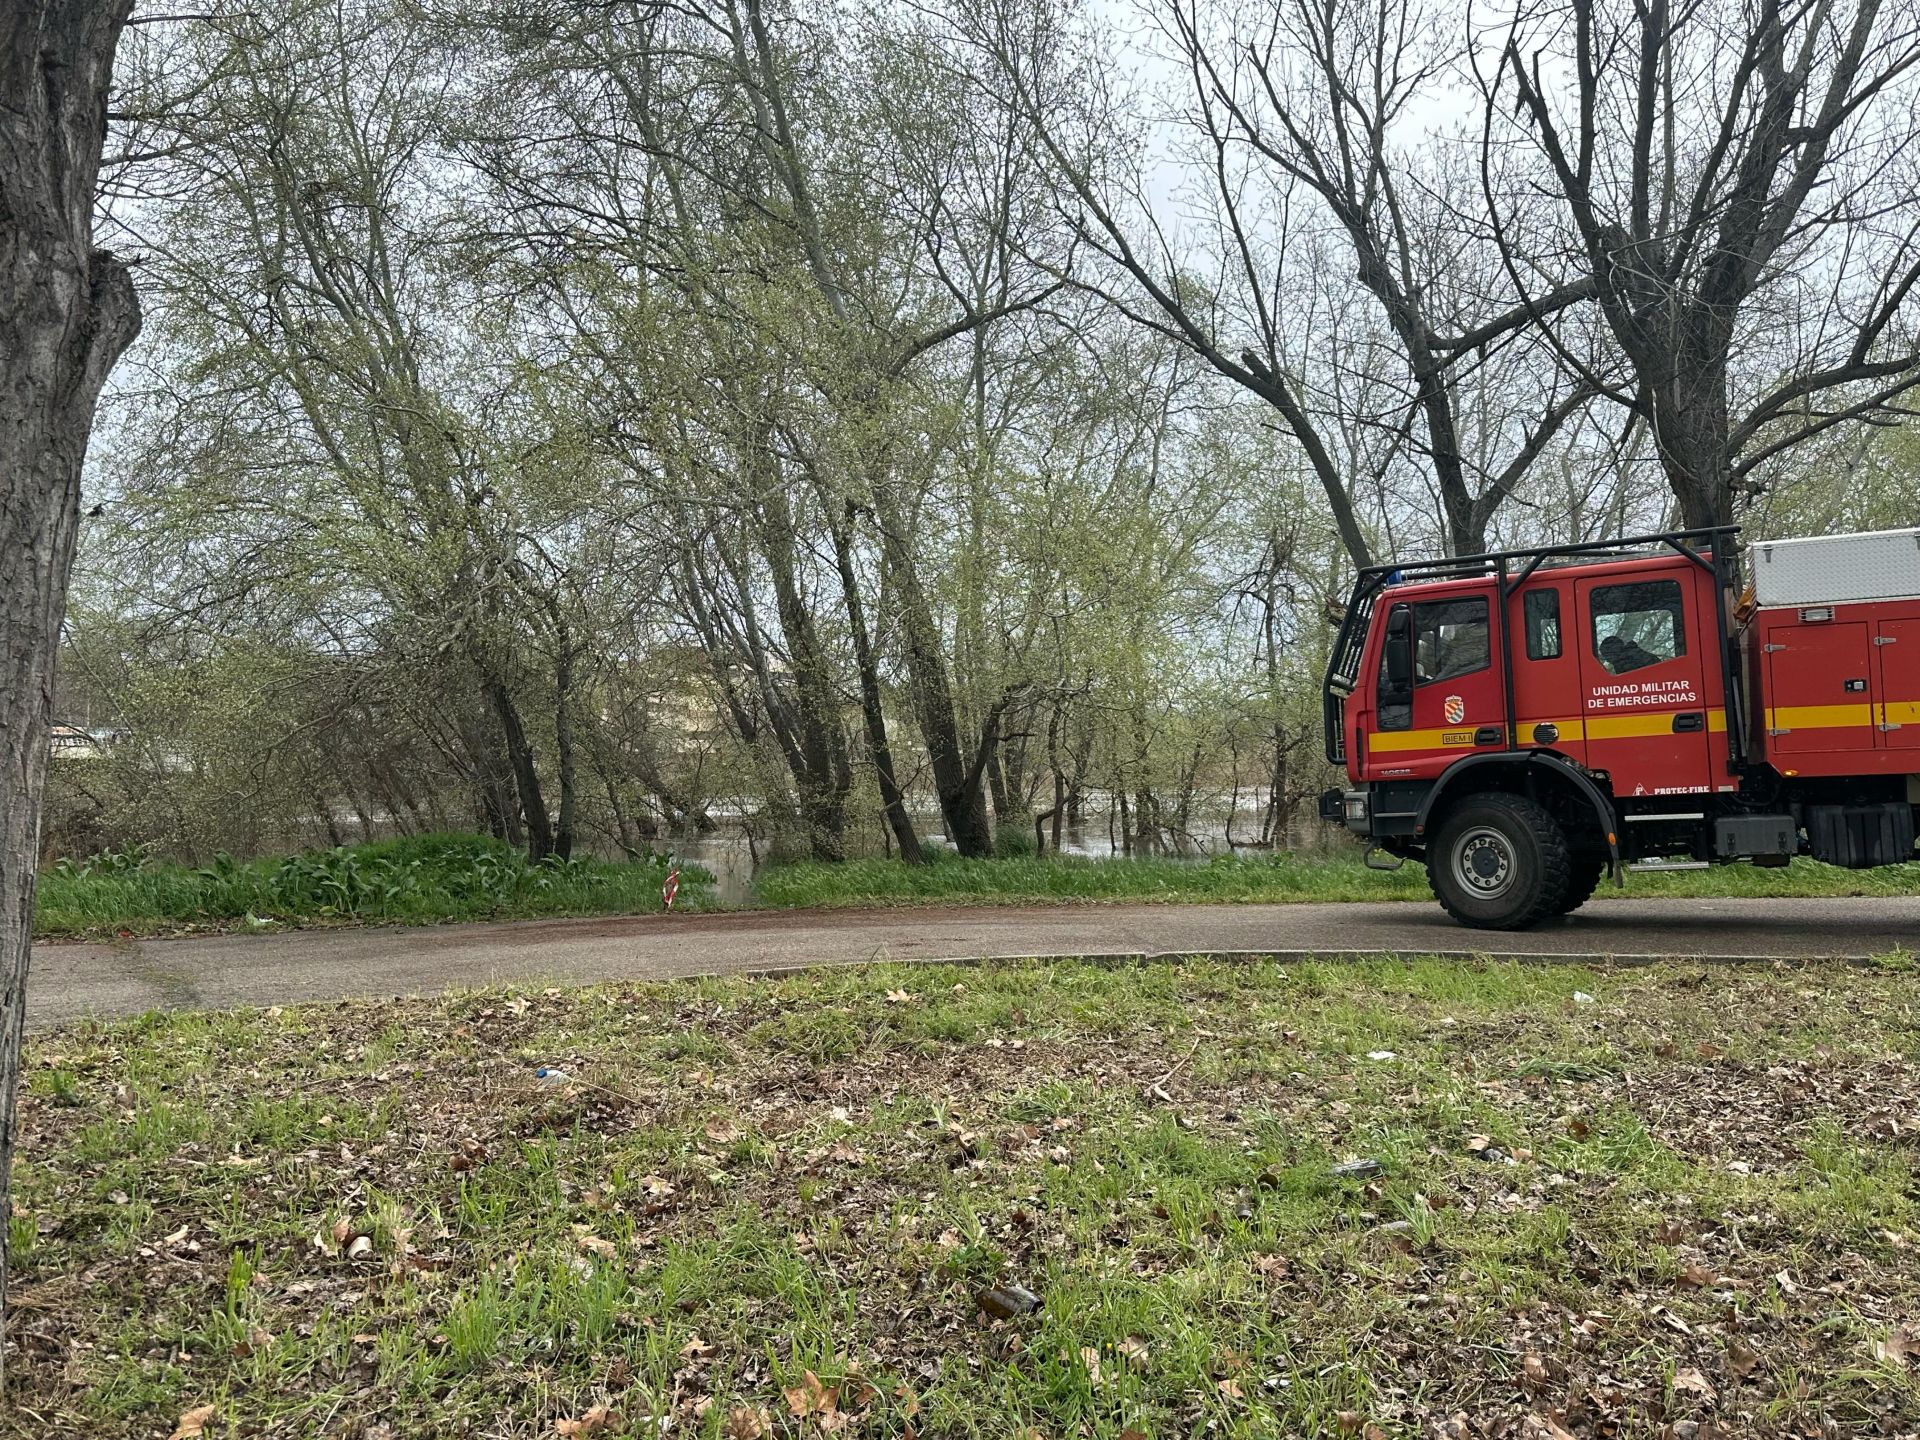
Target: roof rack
{"type": "Point", "coordinates": [1501, 562]}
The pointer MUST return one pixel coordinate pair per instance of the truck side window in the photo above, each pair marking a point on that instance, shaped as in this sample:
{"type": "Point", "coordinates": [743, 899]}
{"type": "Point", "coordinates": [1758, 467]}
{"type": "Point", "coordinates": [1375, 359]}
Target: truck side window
{"type": "Point", "coordinates": [1637, 625]}
{"type": "Point", "coordinates": [1543, 624]}
{"type": "Point", "coordinates": [1450, 639]}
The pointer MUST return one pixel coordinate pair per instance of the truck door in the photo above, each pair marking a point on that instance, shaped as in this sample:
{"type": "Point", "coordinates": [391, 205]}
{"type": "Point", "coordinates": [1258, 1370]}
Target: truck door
{"type": "Point", "coordinates": [1547, 690]}
{"type": "Point", "coordinates": [1643, 660]}
{"type": "Point", "coordinates": [1897, 657]}
{"type": "Point", "coordinates": [1451, 704]}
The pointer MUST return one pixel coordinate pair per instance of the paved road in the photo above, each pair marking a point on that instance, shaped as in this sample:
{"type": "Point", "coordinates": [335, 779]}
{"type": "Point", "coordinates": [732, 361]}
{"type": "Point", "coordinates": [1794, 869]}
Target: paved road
{"type": "Point", "coordinates": [71, 981]}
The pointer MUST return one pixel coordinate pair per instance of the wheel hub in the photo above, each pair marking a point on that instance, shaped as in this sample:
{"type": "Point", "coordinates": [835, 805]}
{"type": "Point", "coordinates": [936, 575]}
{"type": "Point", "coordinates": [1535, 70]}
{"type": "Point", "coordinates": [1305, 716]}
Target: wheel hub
{"type": "Point", "coordinates": [1483, 861]}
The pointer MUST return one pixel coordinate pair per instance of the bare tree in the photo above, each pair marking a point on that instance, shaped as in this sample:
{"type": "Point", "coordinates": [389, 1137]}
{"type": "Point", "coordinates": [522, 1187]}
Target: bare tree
{"type": "Point", "coordinates": [1735, 185]}
{"type": "Point", "coordinates": [1292, 123]}
{"type": "Point", "coordinates": [67, 311]}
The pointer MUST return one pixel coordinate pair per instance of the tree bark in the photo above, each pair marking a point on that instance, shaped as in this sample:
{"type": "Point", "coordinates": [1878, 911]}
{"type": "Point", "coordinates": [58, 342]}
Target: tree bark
{"type": "Point", "coordinates": [963, 804]}
{"type": "Point", "coordinates": [893, 802]}
{"type": "Point", "coordinates": [67, 311]}
{"type": "Point", "coordinates": [563, 744]}
{"type": "Point", "coordinates": [526, 776]}
{"type": "Point", "coordinates": [815, 742]}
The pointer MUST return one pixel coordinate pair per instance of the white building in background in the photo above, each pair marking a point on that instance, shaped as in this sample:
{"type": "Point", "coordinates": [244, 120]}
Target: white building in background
{"type": "Point", "coordinates": [70, 742]}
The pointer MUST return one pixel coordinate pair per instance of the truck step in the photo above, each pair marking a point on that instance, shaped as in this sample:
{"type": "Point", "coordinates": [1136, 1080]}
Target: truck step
{"type": "Point", "coordinates": [1658, 865]}
{"type": "Point", "coordinates": [1673, 815]}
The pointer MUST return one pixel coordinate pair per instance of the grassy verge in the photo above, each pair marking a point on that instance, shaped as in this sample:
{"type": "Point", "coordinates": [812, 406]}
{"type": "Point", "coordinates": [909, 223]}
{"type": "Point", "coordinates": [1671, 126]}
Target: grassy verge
{"type": "Point", "coordinates": [1655, 1203]}
{"type": "Point", "coordinates": [1245, 878]}
{"type": "Point", "coordinates": [420, 880]}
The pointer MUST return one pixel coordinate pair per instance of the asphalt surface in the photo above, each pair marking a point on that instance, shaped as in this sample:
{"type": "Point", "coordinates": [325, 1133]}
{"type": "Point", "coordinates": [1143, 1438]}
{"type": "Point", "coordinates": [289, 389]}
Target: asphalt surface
{"type": "Point", "coordinates": [71, 981]}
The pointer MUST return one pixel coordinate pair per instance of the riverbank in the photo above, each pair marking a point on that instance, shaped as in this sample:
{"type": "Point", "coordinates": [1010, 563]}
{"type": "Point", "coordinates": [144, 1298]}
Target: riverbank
{"type": "Point", "coordinates": [419, 880]}
{"type": "Point", "coordinates": [433, 879]}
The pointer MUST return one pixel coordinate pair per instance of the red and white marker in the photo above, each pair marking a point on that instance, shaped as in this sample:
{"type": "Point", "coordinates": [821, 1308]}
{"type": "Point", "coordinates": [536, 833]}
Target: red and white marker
{"type": "Point", "coordinates": [671, 888]}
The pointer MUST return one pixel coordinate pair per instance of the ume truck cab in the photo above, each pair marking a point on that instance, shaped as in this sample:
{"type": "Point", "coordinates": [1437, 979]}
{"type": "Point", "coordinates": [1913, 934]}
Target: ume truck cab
{"type": "Point", "coordinates": [1528, 722]}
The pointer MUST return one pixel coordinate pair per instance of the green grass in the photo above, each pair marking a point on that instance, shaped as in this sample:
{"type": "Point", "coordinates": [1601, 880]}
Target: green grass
{"type": "Point", "coordinates": [432, 878]}
{"type": "Point", "coordinates": [1245, 879]}
{"type": "Point", "coordinates": [375, 1219]}
{"type": "Point", "coordinates": [419, 880]}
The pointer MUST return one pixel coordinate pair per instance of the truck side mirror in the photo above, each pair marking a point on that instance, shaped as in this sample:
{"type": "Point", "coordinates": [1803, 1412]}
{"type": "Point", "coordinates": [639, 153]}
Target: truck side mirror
{"type": "Point", "coordinates": [1399, 651]}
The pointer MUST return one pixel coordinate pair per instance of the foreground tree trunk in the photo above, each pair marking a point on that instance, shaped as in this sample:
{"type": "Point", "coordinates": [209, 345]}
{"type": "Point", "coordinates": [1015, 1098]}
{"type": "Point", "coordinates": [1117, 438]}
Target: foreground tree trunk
{"type": "Point", "coordinates": [67, 311]}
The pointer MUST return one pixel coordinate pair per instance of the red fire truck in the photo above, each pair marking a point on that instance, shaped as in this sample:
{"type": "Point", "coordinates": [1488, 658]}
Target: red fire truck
{"type": "Point", "coordinates": [1526, 722]}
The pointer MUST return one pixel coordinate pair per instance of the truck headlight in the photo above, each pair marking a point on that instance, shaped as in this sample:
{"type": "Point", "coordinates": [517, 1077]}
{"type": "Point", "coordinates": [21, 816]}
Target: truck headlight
{"type": "Point", "coordinates": [1356, 806]}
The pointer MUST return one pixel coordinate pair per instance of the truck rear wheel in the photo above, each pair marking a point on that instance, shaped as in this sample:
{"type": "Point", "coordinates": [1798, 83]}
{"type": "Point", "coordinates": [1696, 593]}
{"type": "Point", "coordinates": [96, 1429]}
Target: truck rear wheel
{"type": "Point", "coordinates": [1499, 862]}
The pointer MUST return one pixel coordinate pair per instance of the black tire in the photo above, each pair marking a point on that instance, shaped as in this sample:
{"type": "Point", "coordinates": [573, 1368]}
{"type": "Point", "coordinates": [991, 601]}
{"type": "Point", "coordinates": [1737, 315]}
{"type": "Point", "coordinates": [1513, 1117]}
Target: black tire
{"type": "Point", "coordinates": [1499, 862]}
{"type": "Point", "coordinates": [1583, 878]}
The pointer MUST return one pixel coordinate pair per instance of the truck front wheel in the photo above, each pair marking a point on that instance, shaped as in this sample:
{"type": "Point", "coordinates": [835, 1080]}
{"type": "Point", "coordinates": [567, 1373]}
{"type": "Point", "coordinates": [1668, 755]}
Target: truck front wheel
{"type": "Point", "coordinates": [1499, 862]}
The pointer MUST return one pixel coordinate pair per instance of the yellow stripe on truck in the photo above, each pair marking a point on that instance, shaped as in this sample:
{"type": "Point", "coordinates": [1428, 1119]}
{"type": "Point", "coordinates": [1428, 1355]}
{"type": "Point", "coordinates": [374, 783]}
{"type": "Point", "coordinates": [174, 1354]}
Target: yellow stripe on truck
{"type": "Point", "coordinates": [1638, 727]}
{"type": "Point", "coordinates": [1819, 717]}
{"type": "Point", "coordinates": [1386, 741]}
{"type": "Point", "coordinates": [1600, 727]}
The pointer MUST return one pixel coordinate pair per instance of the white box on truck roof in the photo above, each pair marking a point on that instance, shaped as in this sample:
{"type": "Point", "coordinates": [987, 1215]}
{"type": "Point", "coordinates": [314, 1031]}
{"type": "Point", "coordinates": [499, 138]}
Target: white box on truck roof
{"type": "Point", "coordinates": [1835, 569]}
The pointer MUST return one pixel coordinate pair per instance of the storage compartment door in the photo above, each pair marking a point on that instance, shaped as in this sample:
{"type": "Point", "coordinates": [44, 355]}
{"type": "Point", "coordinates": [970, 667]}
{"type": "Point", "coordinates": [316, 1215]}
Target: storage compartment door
{"type": "Point", "coordinates": [1897, 662]}
{"type": "Point", "coordinates": [1817, 691]}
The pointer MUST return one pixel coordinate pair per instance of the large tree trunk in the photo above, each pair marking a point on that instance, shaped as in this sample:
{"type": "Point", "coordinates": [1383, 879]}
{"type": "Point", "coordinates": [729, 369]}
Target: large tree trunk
{"type": "Point", "coordinates": [1692, 432]}
{"type": "Point", "coordinates": [813, 737]}
{"type": "Point", "coordinates": [563, 744]}
{"type": "Point", "coordinates": [526, 775]}
{"type": "Point", "coordinates": [494, 804]}
{"type": "Point", "coordinates": [893, 802]}
{"type": "Point", "coordinates": [963, 804]}
{"type": "Point", "coordinates": [67, 311]}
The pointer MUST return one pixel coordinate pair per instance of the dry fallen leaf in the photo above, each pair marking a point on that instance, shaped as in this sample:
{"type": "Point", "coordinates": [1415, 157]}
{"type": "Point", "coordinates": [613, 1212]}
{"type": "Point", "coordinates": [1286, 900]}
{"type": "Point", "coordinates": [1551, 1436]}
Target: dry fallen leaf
{"type": "Point", "coordinates": [193, 1423]}
{"type": "Point", "coordinates": [899, 997]}
{"type": "Point", "coordinates": [1348, 1421]}
{"type": "Point", "coordinates": [257, 1341]}
{"type": "Point", "coordinates": [1229, 1389]}
{"type": "Point", "coordinates": [1897, 1349]}
{"type": "Point", "coordinates": [1741, 1359]}
{"type": "Point", "coordinates": [1544, 1427]}
{"type": "Point", "coordinates": [1691, 1380]}
{"type": "Point", "coordinates": [597, 1419]}
{"type": "Point", "coordinates": [810, 1397]}
{"type": "Point", "coordinates": [1695, 1274]}
{"type": "Point", "coordinates": [746, 1422]}
{"type": "Point", "coordinates": [1134, 1351]}
{"type": "Point", "coordinates": [1535, 1368]}
{"type": "Point", "coordinates": [593, 1244]}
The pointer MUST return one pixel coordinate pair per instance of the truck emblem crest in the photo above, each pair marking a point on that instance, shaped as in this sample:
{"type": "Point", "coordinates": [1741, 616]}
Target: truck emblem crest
{"type": "Point", "coordinates": [1456, 710]}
